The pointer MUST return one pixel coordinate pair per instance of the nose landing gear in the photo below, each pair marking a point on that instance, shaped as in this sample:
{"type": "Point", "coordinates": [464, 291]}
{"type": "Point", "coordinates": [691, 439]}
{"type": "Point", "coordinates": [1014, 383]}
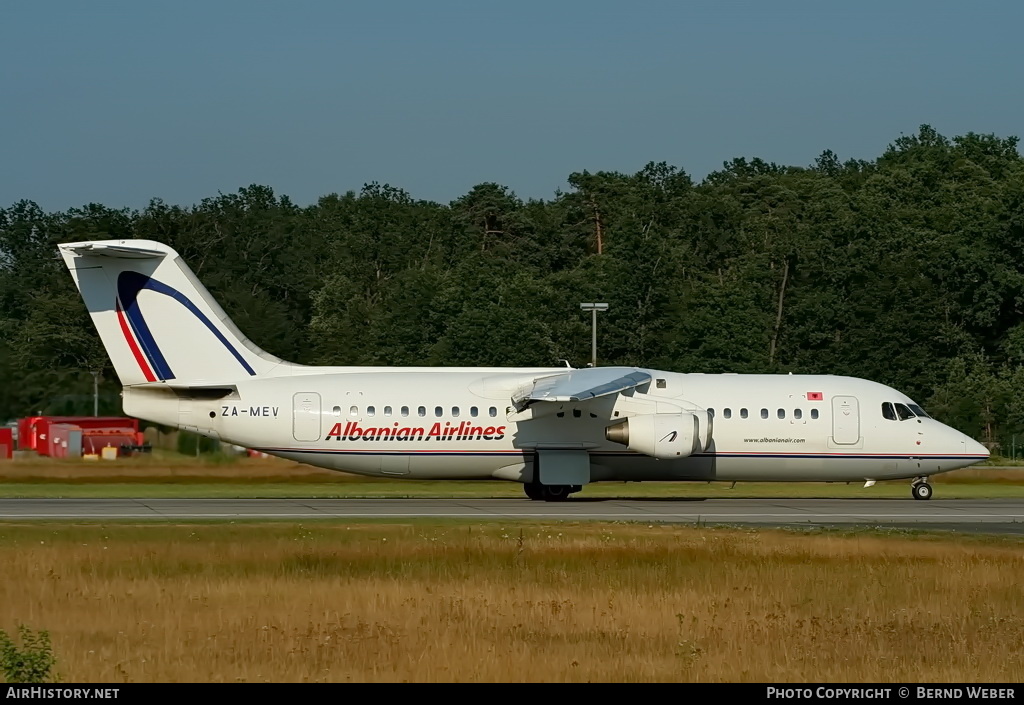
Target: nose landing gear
{"type": "Point", "coordinates": [920, 488]}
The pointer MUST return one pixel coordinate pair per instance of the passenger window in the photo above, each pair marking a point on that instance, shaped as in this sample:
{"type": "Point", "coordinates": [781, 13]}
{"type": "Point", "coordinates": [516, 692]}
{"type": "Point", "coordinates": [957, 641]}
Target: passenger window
{"type": "Point", "coordinates": [798, 414]}
{"type": "Point", "coordinates": [814, 413]}
{"type": "Point", "coordinates": [492, 411]}
{"type": "Point", "coordinates": [727, 413]}
{"type": "Point", "coordinates": [353, 411]}
{"type": "Point", "coordinates": [903, 412]}
{"type": "Point", "coordinates": [405, 411]}
{"type": "Point", "coordinates": [743, 413]}
{"type": "Point", "coordinates": [473, 411]}
{"type": "Point", "coordinates": [560, 414]}
{"type": "Point", "coordinates": [711, 413]}
{"type": "Point", "coordinates": [370, 411]}
{"type": "Point", "coordinates": [782, 413]}
{"type": "Point", "coordinates": [455, 411]}
{"type": "Point", "coordinates": [387, 411]}
{"type": "Point", "coordinates": [438, 411]}
{"type": "Point", "coordinates": [888, 412]}
{"type": "Point", "coordinates": [764, 413]}
{"type": "Point", "coordinates": [337, 411]}
{"type": "Point", "coordinates": [422, 411]}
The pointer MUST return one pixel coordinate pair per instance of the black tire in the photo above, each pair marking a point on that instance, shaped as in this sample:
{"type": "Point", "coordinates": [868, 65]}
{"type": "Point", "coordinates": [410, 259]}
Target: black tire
{"type": "Point", "coordinates": [555, 493]}
{"type": "Point", "coordinates": [922, 491]}
{"type": "Point", "coordinates": [533, 491]}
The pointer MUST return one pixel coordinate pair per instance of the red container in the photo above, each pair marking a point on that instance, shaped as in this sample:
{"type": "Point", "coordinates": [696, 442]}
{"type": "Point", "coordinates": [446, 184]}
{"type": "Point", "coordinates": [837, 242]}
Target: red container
{"type": "Point", "coordinates": [23, 433]}
{"type": "Point", "coordinates": [6, 443]}
{"type": "Point", "coordinates": [64, 440]}
{"type": "Point", "coordinates": [34, 431]}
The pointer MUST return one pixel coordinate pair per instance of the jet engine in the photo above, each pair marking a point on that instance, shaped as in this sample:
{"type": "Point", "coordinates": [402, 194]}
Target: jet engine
{"type": "Point", "coordinates": [666, 436]}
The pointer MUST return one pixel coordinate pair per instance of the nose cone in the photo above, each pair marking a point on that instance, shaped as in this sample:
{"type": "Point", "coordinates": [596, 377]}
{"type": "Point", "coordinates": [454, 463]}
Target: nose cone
{"type": "Point", "coordinates": [973, 452]}
{"type": "Point", "coordinates": [973, 448]}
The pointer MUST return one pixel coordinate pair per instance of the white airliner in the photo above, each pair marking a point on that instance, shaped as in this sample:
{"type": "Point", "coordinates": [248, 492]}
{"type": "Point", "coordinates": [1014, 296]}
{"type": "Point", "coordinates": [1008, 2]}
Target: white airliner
{"type": "Point", "coordinates": [183, 363]}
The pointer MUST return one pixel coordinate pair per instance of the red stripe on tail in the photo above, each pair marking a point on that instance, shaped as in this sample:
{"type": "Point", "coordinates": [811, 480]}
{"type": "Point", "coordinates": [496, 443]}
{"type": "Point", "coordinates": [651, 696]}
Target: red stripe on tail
{"type": "Point", "coordinates": [150, 377]}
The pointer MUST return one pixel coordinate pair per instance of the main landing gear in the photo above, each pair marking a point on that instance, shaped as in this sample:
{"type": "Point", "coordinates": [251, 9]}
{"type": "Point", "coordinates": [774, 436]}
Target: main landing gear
{"type": "Point", "coordinates": [550, 493]}
{"type": "Point", "coordinates": [920, 488]}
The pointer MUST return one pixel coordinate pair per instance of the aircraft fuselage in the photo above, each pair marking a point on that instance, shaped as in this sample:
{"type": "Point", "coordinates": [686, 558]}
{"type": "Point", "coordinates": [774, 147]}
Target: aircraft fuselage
{"type": "Point", "coordinates": [458, 424]}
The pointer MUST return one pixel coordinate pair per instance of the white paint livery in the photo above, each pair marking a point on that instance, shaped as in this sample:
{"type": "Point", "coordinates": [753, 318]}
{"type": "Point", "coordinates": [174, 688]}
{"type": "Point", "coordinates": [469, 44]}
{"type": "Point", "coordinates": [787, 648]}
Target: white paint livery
{"type": "Point", "coordinates": [183, 363]}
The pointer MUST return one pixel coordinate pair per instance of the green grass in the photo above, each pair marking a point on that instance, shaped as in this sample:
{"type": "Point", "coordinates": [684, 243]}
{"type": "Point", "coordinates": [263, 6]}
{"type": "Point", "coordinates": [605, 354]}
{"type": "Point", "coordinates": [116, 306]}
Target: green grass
{"type": "Point", "coordinates": [485, 489]}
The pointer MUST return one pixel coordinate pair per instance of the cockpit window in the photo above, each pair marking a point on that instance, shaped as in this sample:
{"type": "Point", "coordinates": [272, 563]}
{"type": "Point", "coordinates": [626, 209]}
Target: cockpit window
{"type": "Point", "coordinates": [903, 412]}
{"type": "Point", "coordinates": [888, 412]}
{"type": "Point", "coordinates": [918, 411]}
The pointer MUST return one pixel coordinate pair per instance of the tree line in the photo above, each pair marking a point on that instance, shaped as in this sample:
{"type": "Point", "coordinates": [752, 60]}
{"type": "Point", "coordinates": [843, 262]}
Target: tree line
{"type": "Point", "coordinates": [908, 270]}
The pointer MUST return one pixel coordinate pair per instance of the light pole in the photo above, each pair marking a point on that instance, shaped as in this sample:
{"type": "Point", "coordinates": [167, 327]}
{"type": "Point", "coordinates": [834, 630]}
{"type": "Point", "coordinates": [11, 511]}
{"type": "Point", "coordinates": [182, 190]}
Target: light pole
{"type": "Point", "coordinates": [593, 308]}
{"type": "Point", "coordinates": [95, 393]}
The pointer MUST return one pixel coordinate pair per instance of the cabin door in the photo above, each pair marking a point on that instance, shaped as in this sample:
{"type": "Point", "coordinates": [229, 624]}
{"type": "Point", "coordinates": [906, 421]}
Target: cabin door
{"type": "Point", "coordinates": [306, 416]}
{"type": "Point", "coordinates": [845, 420]}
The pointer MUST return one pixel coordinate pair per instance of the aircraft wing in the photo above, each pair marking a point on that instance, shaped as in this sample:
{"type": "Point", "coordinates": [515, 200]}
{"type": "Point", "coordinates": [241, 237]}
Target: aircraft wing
{"type": "Point", "coordinates": [580, 385]}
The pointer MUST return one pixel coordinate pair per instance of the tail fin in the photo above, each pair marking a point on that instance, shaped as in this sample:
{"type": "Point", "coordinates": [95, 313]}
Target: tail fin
{"type": "Point", "coordinates": [156, 320]}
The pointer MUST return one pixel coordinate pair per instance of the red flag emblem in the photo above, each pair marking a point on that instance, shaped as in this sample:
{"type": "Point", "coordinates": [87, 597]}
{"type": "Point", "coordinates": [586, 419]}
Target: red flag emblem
{"type": "Point", "coordinates": [814, 396]}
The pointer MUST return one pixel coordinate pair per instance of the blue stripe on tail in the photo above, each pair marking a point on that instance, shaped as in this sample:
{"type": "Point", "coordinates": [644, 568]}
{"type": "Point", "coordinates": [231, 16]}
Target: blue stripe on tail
{"type": "Point", "coordinates": [129, 284]}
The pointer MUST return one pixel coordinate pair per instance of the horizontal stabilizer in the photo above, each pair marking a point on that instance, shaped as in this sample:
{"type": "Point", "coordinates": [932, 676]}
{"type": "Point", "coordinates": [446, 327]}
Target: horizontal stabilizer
{"type": "Point", "coordinates": [100, 249]}
{"type": "Point", "coordinates": [206, 392]}
{"type": "Point", "coordinates": [203, 392]}
{"type": "Point", "coordinates": [580, 385]}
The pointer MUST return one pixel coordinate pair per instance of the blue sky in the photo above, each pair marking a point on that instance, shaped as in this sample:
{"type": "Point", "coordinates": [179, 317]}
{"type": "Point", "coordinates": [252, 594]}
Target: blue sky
{"type": "Point", "coordinates": [121, 102]}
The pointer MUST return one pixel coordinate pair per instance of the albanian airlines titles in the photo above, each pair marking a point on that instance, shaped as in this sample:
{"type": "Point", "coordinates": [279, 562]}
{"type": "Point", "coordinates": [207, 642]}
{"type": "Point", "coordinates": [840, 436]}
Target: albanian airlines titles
{"type": "Point", "coordinates": [465, 431]}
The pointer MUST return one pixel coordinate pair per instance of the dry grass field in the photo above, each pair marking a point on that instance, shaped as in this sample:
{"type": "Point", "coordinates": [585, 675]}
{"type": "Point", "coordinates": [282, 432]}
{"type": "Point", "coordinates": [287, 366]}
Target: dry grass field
{"type": "Point", "coordinates": [437, 601]}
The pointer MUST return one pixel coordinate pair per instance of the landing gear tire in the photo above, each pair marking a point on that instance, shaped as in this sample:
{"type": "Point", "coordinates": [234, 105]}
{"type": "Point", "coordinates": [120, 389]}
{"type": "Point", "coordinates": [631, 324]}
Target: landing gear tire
{"type": "Point", "coordinates": [555, 493]}
{"type": "Point", "coordinates": [921, 490]}
{"type": "Point", "coordinates": [550, 493]}
{"type": "Point", "coordinates": [533, 491]}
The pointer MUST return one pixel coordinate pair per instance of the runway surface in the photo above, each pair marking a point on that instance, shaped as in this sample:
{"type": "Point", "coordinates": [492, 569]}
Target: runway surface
{"type": "Point", "coordinates": [976, 515]}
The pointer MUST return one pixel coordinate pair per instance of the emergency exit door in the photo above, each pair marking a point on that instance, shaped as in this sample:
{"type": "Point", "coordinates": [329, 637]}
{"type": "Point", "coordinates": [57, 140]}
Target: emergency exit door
{"type": "Point", "coordinates": [306, 416]}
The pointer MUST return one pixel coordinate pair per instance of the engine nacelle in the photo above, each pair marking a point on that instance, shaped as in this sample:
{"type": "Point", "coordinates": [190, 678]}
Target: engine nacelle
{"type": "Point", "coordinates": [663, 435]}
